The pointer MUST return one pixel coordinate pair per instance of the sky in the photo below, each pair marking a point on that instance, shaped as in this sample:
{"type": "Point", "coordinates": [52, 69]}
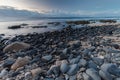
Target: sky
{"type": "Point", "coordinates": [63, 7]}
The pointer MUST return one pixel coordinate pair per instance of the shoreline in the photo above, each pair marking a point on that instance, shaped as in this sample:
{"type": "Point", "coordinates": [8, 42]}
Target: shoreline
{"type": "Point", "coordinates": [61, 55]}
{"type": "Point", "coordinates": [23, 28]}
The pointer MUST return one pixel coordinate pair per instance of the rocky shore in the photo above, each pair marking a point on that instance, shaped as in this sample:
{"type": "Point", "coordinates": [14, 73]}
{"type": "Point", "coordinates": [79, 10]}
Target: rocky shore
{"type": "Point", "coordinates": [87, 53]}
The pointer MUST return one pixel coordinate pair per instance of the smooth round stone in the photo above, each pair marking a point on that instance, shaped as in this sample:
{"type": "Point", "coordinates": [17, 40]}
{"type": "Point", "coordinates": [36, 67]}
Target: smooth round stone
{"type": "Point", "coordinates": [93, 74]}
{"type": "Point", "coordinates": [106, 66]}
{"type": "Point", "coordinates": [98, 61]}
{"type": "Point", "coordinates": [64, 67]}
{"type": "Point", "coordinates": [8, 63]}
{"type": "Point", "coordinates": [105, 75]}
{"type": "Point", "coordinates": [47, 57]}
{"type": "Point", "coordinates": [114, 70]}
{"type": "Point", "coordinates": [73, 69]}
{"type": "Point", "coordinates": [91, 64]}
{"type": "Point", "coordinates": [82, 62]}
{"type": "Point", "coordinates": [3, 73]}
{"type": "Point", "coordinates": [86, 77]}
{"type": "Point", "coordinates": [74, 60]}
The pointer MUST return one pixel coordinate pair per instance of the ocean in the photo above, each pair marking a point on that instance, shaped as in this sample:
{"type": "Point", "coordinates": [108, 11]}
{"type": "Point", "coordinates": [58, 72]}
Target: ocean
{"type": "Point", "coordinates": [39, 22]}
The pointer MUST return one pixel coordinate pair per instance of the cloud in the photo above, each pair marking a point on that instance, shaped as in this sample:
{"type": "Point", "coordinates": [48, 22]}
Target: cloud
{"type": "Point", "coordinates": [6, 11]}
{"type": "Point", "coordinates": [65, 7]}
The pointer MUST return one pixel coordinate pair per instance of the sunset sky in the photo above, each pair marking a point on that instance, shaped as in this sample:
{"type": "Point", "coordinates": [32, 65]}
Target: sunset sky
{"type": "Point", "coordinates": [67, 7]}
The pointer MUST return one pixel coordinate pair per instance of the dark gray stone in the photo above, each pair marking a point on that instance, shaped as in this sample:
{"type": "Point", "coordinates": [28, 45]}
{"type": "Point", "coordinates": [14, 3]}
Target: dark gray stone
{"type": "Point", "coordinates": [86, 77]}
{"type": "Point", "coordinates": [98, 61]}
{"type": "Point", "coordinates": [64, 67]}
{"type": "Point", "coordinates": [93, 74]}
{"type": "Point", "coordinates": [105, 75]}
{"type": "Point", "coordinates": [8, 63]}
{"type": "Point", "coordinates": [73, 69]}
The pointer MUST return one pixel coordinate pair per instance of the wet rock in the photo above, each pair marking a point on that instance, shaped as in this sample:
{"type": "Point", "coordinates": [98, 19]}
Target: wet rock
{"type": "Point", "coordinates": [20, 62]}
{"type": "Point", "coordinates": [105, 75]}
{"type": "Point", "coordinates": [64, 67]}
{"type": "Point", "coordinates": [36, 72]}
{"type": "Point", "coordinates": [15, 27]}
{"type": "Point", "coordinates": [16, 46]}
{"type": "Point", "coordinates": [98, 61]}
{"type": "Point", "coordinates": [106, 66]}
{"type": "Point", "coordinates": [86, 77]}
{"type": "Point", "coordinates": [82, 62]}
{"type": "Point", "coordinates": [73, 69]}
{"type": "Point", "coordinates": [93, 74]}
{"type": "Point", "coordinates": [91, 64]}
{"type": "Point", "coordinates": [39, 26]}
{"type": "Point", "coordinates": [3, 73]}
{"type": "Point", "coordinates": [114, 70]}
{"type": "Point", "coordinates": [47, 58]}
{"type": "Point", "coordinates": [74, 60]}
{"type": "Point", "coordinates": [8, 63]}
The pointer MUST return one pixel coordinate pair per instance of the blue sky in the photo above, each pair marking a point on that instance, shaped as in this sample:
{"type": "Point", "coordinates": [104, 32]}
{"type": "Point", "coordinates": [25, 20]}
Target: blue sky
{"type": "Point", "coordinates": [67, 7]}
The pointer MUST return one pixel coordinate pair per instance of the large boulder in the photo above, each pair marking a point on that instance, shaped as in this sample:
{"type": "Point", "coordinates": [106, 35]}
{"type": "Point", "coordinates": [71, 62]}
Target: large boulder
{"type": "Point", "coordinates": [16, 46]}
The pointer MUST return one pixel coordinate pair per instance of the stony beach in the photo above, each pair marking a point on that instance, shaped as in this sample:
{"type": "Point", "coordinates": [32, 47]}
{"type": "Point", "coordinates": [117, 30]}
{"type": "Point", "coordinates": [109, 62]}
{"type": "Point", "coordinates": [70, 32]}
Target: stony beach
{"type": "Point", "coordinates": [87, 53]}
